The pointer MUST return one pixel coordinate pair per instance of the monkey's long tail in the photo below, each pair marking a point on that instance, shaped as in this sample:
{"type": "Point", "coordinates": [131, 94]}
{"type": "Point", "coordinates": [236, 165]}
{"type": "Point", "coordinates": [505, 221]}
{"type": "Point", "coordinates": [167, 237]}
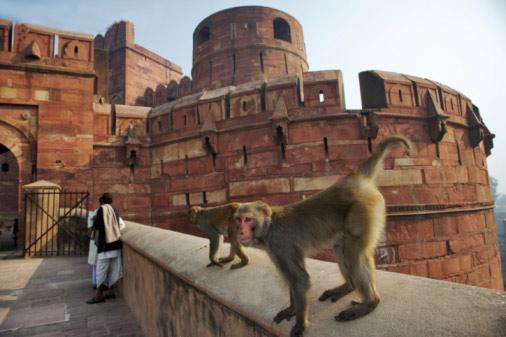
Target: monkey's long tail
{"type": "Point", "coordinates": [371, 166]}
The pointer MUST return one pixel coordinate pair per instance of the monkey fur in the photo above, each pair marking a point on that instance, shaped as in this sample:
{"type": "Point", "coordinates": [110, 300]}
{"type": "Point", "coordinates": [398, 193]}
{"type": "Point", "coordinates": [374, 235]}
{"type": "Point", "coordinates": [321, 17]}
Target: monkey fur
{"type": "Point", "coordinates": [215, 222]}
{"type": "Point", "coordinates": [350, 215]}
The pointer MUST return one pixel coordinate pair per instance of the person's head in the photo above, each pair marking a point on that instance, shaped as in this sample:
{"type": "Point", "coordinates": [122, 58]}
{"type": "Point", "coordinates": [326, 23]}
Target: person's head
{"type": "Point", "coordinates": [106, 198]}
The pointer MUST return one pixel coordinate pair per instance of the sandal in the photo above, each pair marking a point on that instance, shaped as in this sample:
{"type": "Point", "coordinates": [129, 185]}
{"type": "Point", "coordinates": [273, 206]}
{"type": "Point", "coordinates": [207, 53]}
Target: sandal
{"type": "Point", "coordinates": [95, 300]}
{"type": "Point", "coordinates": [109, 296]}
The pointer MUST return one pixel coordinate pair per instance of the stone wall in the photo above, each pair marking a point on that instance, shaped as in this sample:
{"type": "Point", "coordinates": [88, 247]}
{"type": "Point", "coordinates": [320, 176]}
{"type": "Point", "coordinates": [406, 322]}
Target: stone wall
{"type": "Point", "coordinates": [245, 44]}
{"type": "Point", "coordinates": [46, 96]}
{"type": "Point", "coordinates": [171, 292]}
{"type": "Point", "coordinates": [280, 142]}
{"type": "Point", "coordinates": [134, 73]}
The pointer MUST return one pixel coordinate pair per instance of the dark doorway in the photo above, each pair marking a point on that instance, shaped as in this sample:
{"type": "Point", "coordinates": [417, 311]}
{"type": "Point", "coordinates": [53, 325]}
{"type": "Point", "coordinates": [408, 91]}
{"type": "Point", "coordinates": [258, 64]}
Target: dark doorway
{"type": "Point", "coordinates": [9, 196]}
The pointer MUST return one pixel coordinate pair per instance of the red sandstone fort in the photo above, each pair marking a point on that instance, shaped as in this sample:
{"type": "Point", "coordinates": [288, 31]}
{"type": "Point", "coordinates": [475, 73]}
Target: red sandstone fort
{"type": "Point", "coordinates": [104, 114]}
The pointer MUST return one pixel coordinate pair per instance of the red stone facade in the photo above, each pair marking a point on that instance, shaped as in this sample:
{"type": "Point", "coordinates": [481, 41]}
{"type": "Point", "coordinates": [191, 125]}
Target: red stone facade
{"type": "Point", "coordinates": [245, 44]}
{"type": "Point", "coordinates": [128, 73]}
{"type": "Point", "coordinates": [275, 136]}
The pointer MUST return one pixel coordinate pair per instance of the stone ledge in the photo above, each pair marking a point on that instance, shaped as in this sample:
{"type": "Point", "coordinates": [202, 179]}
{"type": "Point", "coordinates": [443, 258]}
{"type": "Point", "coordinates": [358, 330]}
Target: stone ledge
{"type": "Point", "coordinates": [411, 306]}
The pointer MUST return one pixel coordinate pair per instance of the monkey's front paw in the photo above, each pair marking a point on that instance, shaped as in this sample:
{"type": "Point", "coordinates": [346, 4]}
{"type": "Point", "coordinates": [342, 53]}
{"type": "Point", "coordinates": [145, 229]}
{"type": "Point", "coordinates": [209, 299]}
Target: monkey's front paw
{"type": "Point", "coordinates": [287, 314]}
{"type": "Point", "coordinates": [213, 263]}
{"type": "Point", "coordinates": [225, 259]}
{"type": "Point", "coordinates": [336, 293]}
{"type": "Point", "coordinates": [346, 315]}
{"type": "Point", "coordinates": [297, 331]}
{"type": "Point", "coordinates": [237, 265]}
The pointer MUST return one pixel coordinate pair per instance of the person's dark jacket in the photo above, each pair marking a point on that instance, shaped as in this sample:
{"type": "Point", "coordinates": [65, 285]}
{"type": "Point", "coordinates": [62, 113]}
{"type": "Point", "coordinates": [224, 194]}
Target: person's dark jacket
{"type": "Point", "coordinates": [98, 224]}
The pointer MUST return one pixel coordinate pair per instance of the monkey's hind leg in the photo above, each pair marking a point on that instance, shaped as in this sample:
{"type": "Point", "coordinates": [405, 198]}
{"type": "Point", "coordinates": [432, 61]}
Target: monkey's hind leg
{"type": "Point", "coordinates": [242, 255]}
{"type": "Point", "coordinates": [230, 256]}
{"type": "Point", "coordinates": [338, 292]}
{"type": "Point", "coordinates": [362, 274]}
{"type": "Point", "coordinates": [214, 245]}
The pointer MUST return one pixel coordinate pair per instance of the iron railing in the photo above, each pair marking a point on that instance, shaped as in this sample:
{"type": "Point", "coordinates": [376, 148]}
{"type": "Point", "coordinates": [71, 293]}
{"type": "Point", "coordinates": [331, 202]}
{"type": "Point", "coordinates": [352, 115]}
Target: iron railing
{"type": "Point", "coordinates": [55, 223]}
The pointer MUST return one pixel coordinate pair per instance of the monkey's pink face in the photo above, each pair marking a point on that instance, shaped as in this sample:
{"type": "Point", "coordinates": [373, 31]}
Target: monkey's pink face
{"type": "Point", "coordinates": [245, 226]}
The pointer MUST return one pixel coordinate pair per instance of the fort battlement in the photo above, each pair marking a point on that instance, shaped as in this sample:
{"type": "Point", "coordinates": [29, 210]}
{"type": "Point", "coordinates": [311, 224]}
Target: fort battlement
{"type": "Point", "coordinates": [251, 124]}
{"type": "Point", "coordinates": [38, 46]}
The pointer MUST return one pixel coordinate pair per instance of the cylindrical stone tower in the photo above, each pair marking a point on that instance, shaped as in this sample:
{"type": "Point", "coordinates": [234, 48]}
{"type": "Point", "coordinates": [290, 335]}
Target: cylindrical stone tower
{"type": "Point", "coordinates": [245, 44]}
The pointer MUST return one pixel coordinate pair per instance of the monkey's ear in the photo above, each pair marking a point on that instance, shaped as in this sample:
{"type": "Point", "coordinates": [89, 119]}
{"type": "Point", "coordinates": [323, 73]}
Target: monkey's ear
{"type": "Point", "coordinates": [266, 209]}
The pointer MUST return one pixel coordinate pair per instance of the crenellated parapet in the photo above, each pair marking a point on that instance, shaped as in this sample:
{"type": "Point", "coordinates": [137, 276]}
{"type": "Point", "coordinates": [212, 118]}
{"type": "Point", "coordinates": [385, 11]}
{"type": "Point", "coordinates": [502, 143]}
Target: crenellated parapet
{"type": "Point", "coordinates": [313, 93]}
{"type": "Point", "coordinates": [38, 46]}
{"type": "Point", "coordinates": [389, 92]}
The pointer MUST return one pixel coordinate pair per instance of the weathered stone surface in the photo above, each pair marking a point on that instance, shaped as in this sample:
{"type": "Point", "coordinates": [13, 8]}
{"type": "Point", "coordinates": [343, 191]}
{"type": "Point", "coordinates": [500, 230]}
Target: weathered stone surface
{"type": "Point", "coordinates": [165, 277]}
{"type": "Point", "coordinates": [263, 186]}
{"type": "Point", "coordinates": [316, 183]}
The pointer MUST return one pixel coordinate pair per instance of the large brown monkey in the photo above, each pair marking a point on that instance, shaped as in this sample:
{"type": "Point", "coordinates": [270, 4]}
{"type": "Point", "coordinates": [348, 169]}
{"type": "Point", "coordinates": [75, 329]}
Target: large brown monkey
{"type": "Point", "coordinates": [215, 222]}
{"type": "Point", "coordinates": [350, 215]}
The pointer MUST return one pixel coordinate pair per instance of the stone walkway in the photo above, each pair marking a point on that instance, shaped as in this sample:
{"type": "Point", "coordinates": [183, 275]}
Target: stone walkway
{"type": "Point", "coordinates": [46, 298]}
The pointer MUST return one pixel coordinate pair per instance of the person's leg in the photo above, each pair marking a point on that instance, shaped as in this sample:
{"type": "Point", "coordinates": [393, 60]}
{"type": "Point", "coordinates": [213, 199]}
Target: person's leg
{"type": "Point", "coordinates": [94, 276]}
{"type": "Point", "coordinates": [115, 273]}
{"type": "Point", "coordinates": [102, 268]}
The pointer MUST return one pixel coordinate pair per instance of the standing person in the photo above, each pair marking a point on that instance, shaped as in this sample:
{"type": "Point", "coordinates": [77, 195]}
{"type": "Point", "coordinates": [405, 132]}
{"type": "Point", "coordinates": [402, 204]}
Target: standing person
{"type": "Point", "coordinates": [107, 238]}
{"type": "Point", "coordinates": [92, 253]}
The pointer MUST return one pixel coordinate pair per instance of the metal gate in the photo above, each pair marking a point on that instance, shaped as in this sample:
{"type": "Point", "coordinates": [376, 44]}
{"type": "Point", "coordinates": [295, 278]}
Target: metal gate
{"type": "Point", "coordinates": [56, 223]}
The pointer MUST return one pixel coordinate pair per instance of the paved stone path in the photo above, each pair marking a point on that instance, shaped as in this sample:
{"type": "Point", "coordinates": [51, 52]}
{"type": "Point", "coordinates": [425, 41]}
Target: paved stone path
{"type": "Point", "coordinates": [46, 298]}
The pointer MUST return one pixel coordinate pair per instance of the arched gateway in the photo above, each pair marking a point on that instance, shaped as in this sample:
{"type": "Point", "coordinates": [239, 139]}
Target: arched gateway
{"type": "Point", "coordinates": [16, 161]}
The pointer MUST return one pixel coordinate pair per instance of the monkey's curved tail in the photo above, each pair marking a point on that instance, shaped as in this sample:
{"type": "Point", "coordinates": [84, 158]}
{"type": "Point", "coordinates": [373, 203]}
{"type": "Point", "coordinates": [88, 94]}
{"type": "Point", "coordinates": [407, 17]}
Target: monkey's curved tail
{"type": "Point", "coordinates": [371, 166]}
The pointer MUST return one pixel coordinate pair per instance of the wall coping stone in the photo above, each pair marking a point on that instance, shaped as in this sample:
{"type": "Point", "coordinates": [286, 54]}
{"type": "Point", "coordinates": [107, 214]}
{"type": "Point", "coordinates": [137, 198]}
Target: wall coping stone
{"type": "Point", "coordinates": [411, 306]}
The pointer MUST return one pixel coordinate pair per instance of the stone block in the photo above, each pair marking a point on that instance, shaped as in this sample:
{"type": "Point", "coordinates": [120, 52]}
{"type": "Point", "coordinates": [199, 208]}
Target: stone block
{"type": "Point", "coordinates": [445, 226]}
{"type": "Point", "coordinates": [400, 177]}
{"type": "Point", "coordinates": [314, 183]}
{"type": "Point", "coordinates": [41, 95]}
{"type": "Point", "coordinates": [422, 250]}
{"type": "Point", "coordinates": [217, 197]}
{"type": "Point", "coordinates": [414, 231]}
{"type": "Point", "coordinates": [8, 93]}
{"type": "Point", "coordinates": [261, 186]}
{"type": "Point", "coordinates": [465, 243]}
{"type": "Point", "coordinates": [451, 265]}
{"type": "Point", "coordinates": [435, 269]}
{"type": "Point", "coordinates": [138, 202]}
{"type": "Point", "coordinates": [471, 223]}
{"type": "Point", "coordinates": [179, 200]}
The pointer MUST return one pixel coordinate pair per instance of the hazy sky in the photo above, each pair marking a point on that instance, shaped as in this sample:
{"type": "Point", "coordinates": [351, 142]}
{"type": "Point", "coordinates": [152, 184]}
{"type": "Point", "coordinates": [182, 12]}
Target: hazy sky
{"type": "Point", "coordinates": [461, 43]}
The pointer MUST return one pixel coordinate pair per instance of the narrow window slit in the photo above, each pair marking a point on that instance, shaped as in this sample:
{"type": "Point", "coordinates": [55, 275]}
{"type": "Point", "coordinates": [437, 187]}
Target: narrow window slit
{"type": "Point", "coordinates": [245, 155]}
{"type": "Point", "coordinates": [233, 65]}
{"type": "Point", "coordinates": [369, 144]}
{"type": "Point", "coordinates": [204, 198]}
{"type": "Point", "coordinates": [227, 107]}
{"type": "Point", "coordinates": [262, 61]}
{"type": "Point", "coordinates": [187, 197]}
{"type": "Point", "coordinates": [186, 169]}
{"type": "Point", "coordinates": [400, 95]}
{"type": "Point", "coordinates": [326, 148]}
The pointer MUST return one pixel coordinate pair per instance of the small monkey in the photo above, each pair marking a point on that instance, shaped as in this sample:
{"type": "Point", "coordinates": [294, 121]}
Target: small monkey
{"type": "Point", "coordinates": [350, 215]}
{"type": "Point", "coordinates": [215, 222]}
